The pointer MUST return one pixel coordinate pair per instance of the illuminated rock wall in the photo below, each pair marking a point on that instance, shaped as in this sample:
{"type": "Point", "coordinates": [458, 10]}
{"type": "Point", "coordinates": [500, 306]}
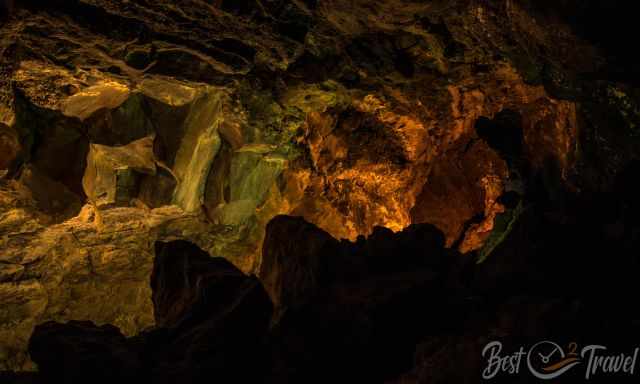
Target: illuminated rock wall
{"type": "Point", "coordinates": [127, 123]}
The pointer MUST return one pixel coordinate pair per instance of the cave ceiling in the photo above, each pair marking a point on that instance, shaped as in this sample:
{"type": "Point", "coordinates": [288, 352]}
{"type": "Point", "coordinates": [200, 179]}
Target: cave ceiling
{"type": "Point", "coordinates": [123, 123]}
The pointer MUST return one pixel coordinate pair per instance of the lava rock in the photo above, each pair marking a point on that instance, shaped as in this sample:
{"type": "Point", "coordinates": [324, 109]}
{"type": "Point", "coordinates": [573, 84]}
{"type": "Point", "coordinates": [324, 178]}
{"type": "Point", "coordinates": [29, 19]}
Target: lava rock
{"type": "Point", "coordinates": [79, 352]}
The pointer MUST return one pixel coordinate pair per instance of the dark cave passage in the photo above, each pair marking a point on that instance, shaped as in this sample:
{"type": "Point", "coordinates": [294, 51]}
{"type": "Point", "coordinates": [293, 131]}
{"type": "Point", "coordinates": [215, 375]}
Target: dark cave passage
{"type": "Point", "coordinates": [504, 134]}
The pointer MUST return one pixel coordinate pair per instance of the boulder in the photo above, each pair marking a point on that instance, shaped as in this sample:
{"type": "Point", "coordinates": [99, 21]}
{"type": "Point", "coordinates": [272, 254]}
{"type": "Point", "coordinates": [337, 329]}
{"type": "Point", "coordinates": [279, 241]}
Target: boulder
{"type": "Point", "coordinates": [79, 352]}
{"type": "Point", "coordinates": [113, 174]}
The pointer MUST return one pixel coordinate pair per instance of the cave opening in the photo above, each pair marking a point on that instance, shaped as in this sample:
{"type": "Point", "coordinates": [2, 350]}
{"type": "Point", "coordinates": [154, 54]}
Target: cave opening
{"type": "Point", "coordinates": [504, 134]}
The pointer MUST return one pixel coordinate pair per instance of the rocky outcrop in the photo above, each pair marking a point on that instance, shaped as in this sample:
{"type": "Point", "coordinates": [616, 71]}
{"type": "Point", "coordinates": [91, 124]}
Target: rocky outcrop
{"type": "Point", "coordinates": [184, 276]}
{"type": "Point", "coordinates": [138, 122]}
{"type": "Point", "coordinates": [213, 321]}
{"type": "Point", "coordinates": [353, 308]}
{"type": "Point", "coordinates": [393, 307]}
{"type": "Point", "coordinates": [295, 269]}
{"type": "Point", "coordinates": [75, 343]}
{"type": "Point", "coordinates": [113, 173]}
{"type": "Point", "coordinates": [210, 321]}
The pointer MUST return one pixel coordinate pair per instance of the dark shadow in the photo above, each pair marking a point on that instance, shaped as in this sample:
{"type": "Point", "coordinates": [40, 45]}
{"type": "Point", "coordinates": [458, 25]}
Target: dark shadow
{"type": "Point", "coordinates": [6, 8]}
{"type": "Point", "coordinates": [180, 270]}
{"type": "Point", "coordinates": [504, 134]}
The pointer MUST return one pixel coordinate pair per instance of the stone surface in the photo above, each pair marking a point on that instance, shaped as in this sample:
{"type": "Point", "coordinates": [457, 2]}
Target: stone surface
{"type": "Point", "coordinates": [9, 146]}
{"type": "Point", "coordinates": [74, 343]}
{"type": "Point", "coordinates": [138, 122]}
{"type": "Point", "coordinates": [113, 174]}
{"type": "Point", "coordinates": [394, 307]}
{"type": "Point", "coordinates": [292, 271]}
{"type": "Point", "coordinates": [52, 198]}
{"type": "Point", "coordinates": [210, 319]}
{"type": "Point", "coordinates": [213, 321]}
{"type": "Point", "coordinates": [184, 275]}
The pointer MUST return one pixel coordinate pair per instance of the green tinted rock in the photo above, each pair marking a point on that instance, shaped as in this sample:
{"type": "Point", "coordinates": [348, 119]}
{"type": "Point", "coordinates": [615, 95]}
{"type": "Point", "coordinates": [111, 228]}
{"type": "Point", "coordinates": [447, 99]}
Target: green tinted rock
{"type": "Point", "coordinates": [112, 173]}
{"type": "Point", "coordinates": [502, 226]}
{"type": "Point", "coordinates": [198, 150]}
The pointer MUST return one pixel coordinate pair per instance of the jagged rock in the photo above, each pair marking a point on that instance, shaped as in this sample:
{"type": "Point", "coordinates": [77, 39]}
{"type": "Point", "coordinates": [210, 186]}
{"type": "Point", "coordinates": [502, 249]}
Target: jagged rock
{"type": "Point", "coordinates": [9, 146]}
{"type": "Point", "coordinates": [113, 173]}
{"type": "Point", "coordinates": [348, 114]}
{"type": "Point", "coordinates": [294, 258]}
{"type": "Point", "coordinates": [198, 149]}
{"type": "Point", "coordinates": [216, 318]}
{"type": "Point", "coordinates": [300, 260]}
{"type": "Point", "coordinates": [465, 192]}
{"type": "Point", "coordinates": [24, 301]}
{"type": "Point", "coordinates": [157, 190]}
{"type": "Point", "coordinates": [348, 305]}
{"type": "Point", "coordinates": [184, 276]}
{"type": "Point", "coordinates": [103, 95]}
{"type": "Point", "coordinates": [81, 351]}
{"type": "Point", "coordinates": [380, 309]}
{"type": "Point", "coordinates": [55, 144]}
{"type": "Point", "coordinates": [72, 266]}
{"type": "Point", "coordinates": [211, 319]}
{"type": "Point", "coordinates": [9, 272]}
{"type": "Point", "coordinates": [51, 197]}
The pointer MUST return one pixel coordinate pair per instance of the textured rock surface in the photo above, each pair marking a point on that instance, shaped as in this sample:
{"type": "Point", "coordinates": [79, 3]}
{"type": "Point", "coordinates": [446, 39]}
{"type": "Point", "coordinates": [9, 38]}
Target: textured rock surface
{"type": "Point", "coordinates": [138, 122]}
{"type": "Point", "coordinates": [211, 319]}
{"type": "Point", "coordinates": [395, 307]}
{"type": "Point", "coordinates": [113, 173]}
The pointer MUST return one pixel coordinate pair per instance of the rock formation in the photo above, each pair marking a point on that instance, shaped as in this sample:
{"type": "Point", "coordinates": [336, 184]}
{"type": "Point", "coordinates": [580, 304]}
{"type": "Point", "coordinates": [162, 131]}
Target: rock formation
{"type": "Point", "coordinates": [129, 124]}
{"type": "Point", "coordinates": [395, 307]}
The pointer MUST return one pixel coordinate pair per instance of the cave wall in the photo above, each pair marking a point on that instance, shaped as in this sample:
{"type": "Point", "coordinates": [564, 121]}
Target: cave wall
{"type": "Point", "coordinates": [135, 123]}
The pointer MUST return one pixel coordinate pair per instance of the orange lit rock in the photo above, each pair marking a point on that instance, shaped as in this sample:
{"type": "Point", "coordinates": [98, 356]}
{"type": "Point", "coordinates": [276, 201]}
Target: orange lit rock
{"type": "Point", "coordinates": [462, 186]}
{"type": "Point", "coordinates": [351, 115]}
{"type": "Point", "coordinates": [9, 146]}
